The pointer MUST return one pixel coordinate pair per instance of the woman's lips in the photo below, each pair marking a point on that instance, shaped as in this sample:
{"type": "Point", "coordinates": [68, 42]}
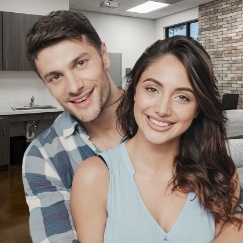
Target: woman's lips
{"type": "Point", "coordinates": [159, 123]}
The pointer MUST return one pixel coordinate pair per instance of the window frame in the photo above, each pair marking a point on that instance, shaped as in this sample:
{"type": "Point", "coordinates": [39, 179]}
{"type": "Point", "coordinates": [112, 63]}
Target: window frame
{"type": "Point", "coordinates": [188, 27]}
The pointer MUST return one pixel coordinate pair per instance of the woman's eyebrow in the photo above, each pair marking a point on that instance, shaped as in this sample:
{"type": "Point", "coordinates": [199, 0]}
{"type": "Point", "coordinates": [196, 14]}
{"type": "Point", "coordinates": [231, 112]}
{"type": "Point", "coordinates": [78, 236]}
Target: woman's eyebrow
{"type": "Point", "coordinates": [161, 85]}
{"type": "Point", "coordinates": [185, 89]}
{"type": "Point", "coordinates": [153, 80]}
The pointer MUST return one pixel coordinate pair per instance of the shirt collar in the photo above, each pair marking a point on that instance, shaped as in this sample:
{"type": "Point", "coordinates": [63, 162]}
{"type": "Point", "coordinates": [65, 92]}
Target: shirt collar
{"type": "Point", "coordinates": [68, 124]}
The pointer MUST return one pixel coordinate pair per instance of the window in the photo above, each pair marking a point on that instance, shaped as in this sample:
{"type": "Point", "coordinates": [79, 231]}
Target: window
{"type": "Point", "coordinates": [187, 29]}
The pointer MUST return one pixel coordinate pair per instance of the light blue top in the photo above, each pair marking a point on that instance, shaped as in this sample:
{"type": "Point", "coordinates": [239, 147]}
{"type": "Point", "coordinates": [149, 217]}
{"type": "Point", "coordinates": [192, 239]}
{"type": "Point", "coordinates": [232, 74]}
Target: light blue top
{"type": "Point", "coordinates": [129, 220]}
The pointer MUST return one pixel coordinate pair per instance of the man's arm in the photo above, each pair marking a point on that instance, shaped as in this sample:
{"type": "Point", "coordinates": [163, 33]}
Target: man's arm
{"type": "Point", "coordinates": [48, 200]}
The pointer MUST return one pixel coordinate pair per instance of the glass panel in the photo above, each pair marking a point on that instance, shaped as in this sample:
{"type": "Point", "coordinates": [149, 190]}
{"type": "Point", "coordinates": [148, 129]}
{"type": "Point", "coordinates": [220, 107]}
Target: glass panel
{"type": "Point", "coordinates": [194, 30]}
{"type": "Point", "coordinates": [177, 30]}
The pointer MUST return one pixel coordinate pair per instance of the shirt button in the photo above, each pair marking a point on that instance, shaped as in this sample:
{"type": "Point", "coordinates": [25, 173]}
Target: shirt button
{"type": "Point", "coordinates": [165, 239]}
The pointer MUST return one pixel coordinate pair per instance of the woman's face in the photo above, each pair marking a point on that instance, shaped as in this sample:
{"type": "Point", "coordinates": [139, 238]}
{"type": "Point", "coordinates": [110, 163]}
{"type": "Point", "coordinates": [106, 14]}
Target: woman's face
{"type": "Point", "coordinates": [164, 102]}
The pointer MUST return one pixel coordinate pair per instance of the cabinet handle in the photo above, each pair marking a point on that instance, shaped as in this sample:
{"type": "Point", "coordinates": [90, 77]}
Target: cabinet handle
{"type": "Point", "coordinates": [6, 65]}
{"type": "Point", "coordinates": [4, 131]}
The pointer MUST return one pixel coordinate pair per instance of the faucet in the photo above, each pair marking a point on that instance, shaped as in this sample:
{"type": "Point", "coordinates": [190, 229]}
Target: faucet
{"type": "Point", "coordinates": [32, 101]}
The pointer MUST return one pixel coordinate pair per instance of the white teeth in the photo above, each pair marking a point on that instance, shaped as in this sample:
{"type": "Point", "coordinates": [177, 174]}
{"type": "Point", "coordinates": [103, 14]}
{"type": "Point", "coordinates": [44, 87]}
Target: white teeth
{"type": "Point", "coordinates": [81, 100]}
{"type": "Point", "coordinates": [158, 123]}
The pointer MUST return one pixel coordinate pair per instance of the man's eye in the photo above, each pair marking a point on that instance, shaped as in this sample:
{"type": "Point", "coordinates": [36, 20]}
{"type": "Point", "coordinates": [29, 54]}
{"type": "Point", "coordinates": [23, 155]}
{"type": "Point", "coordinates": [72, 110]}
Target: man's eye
{"type": "Point", "coordinates": [80, 63]}
{"type": "Point", "coordinates": [55, 77]}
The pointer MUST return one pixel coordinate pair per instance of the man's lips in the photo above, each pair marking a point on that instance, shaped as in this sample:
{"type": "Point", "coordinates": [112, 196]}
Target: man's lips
{"type": "Point", "coordinates": [82, 99]}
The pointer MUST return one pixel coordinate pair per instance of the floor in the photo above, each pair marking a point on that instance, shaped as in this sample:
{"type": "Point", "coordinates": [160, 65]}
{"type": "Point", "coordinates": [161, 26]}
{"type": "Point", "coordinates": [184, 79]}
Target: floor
{"type": "Point", "coordinates": [14, 212]}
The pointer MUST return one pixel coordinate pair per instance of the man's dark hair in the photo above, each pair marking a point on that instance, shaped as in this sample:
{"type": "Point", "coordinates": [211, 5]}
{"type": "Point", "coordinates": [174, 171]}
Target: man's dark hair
{"type": "Point", "coordinates": [56, 27]}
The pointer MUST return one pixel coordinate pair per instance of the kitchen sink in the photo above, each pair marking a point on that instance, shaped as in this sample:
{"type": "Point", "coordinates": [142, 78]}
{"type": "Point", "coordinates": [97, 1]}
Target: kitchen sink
{"type": "Point", "coordinates": [34, 107]}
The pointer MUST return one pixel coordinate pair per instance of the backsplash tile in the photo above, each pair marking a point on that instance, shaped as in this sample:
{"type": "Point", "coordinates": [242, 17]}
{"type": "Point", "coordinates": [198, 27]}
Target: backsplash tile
{"type": "Point", "coordinates": [17, 88]}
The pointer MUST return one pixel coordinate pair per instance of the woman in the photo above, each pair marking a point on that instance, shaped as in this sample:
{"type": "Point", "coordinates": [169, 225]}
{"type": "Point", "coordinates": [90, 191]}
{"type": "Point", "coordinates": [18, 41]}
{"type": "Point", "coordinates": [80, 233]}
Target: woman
{"type": "Point", "coordinates": [173, 180]}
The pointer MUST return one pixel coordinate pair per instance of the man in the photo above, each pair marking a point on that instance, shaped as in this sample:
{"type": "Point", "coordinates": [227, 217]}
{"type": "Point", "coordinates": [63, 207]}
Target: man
{"type": "Point", "coordinates": [70, 58]}
{"type": "Point", "coordinates": [72, 61]}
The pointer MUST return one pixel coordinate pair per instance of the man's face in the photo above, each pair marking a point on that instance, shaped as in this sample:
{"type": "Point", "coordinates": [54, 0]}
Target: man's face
{"type": "Point", "coordinates": [75, 74]}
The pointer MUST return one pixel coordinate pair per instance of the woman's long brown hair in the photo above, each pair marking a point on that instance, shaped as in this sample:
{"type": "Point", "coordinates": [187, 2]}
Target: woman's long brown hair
{"type": "Point", "coordinates": [203, 165]}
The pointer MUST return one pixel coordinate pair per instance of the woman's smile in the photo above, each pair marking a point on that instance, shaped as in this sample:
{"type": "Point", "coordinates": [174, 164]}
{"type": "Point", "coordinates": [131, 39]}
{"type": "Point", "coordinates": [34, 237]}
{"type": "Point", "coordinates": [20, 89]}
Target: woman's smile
{"type": "Point", "coordinates": [164, 103]}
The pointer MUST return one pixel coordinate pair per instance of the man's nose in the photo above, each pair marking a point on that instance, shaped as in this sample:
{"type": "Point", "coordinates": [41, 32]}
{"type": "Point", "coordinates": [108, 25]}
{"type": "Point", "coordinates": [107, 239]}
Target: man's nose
{"type": "Point", "coordinates": [73, 83]}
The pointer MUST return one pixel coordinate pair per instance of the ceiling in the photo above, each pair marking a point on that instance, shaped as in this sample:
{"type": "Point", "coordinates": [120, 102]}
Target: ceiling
{"type": "Point", "coordinates": [96, 6]}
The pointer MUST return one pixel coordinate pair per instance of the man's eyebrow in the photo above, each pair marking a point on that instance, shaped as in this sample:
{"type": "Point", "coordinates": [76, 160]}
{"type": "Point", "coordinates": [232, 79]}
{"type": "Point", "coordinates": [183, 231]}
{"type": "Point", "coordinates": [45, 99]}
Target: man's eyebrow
{"type": "Point", "coordinates": [161, 85]}
{"type": "Point", "coordinates": [50, 74]}
{"type": "Point", "coordinates": [82, 55]}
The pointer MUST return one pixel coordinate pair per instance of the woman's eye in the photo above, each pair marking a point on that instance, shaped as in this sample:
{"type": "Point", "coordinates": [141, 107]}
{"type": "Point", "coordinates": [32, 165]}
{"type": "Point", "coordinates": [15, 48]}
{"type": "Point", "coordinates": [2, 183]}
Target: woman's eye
{"type": "Point", "coordinates": [151, 89]}
{"type": "Point", "coordinates": [183, 98]}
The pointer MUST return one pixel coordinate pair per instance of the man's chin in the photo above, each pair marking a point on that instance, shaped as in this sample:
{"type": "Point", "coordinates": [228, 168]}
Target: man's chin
{"type": "Point", "coordinates": [84, 116]}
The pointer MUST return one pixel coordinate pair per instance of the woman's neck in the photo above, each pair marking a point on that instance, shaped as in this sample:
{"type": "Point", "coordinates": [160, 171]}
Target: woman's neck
{"type": "Point", "coordinates": [155, 157]}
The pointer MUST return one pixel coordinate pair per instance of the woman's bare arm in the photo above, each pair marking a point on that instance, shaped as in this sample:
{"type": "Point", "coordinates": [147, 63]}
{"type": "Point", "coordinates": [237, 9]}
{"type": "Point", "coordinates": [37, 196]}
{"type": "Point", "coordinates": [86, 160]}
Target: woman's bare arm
{"type": "Point", "coordinates": [227, 232]}
{"type": "Point", "coordinates": [88, 200]}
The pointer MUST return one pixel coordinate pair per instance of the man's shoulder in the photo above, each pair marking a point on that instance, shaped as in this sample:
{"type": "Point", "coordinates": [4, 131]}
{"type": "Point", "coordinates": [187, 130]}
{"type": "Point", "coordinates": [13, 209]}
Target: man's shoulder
{"type": "Point", "coordinates": [50, 137]}
{"type": "Point", "coordinates": [61, 141]}
{"type": "Point", "coordinates": [62, 123]}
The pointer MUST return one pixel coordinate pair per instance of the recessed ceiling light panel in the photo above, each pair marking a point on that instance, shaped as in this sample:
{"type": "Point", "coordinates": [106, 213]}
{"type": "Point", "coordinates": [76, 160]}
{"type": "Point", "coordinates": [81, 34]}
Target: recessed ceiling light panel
{"type": "Point", "coordinates": [148, 7]}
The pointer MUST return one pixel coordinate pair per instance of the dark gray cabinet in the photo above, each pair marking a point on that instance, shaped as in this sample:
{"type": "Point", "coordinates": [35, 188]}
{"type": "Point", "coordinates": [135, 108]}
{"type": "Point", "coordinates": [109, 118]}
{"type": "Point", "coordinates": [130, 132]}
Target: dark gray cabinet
{"type": "Point", "coordinates": [4, 142]}
{"type": "Point", "coordinates": [1, 40]}
{"type": "Point", "coordinates": [15, 27]}
{"type": "Point", "coordinates": [5, 126]}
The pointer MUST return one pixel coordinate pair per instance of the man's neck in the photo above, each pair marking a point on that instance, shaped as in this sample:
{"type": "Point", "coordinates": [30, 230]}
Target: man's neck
{"type": "Point", "coordinates": [103, 132]}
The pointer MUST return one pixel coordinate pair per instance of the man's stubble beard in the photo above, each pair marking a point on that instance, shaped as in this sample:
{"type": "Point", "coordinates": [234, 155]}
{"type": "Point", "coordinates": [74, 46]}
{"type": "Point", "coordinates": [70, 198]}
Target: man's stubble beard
{"type": "Point", "coordinates": [101, 104]}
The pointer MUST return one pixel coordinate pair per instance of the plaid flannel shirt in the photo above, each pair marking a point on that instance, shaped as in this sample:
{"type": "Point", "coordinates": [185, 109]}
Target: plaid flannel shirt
{"type": "Point", "coordinates": [48, 168]}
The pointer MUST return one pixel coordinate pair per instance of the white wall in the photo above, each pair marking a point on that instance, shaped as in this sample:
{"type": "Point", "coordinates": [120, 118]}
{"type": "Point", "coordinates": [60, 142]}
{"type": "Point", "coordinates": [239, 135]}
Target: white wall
{"type": "Point", "coordinates": [173, 19]}
{"type": "Point", "coordinates": [130, 36]}
{"type": "Point", "coordinates": [126, 35]}
{"type": "Point", "coordinates": [18, 87]}
{"type": "Point", "coordinates": [38, 7]}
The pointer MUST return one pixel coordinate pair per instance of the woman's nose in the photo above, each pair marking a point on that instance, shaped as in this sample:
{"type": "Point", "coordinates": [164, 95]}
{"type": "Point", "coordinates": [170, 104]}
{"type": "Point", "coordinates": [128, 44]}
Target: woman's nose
{"type": "Point", "coordinates": [163, 106]}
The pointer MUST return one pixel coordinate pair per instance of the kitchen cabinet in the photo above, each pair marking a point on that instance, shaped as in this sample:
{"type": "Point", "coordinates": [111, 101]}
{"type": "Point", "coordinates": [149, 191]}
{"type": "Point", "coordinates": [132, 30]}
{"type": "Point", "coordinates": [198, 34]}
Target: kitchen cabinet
{"type": "Point", "coordinates": [34, 116]}
{"type": "Point", "coordinates": [1, 40]}
{"type": "Point", "coordinates": [5, 127]}
{"type": "Point", "coordinates": [4, 141]}
{"type": "Point", "coordinates": [15, 27]}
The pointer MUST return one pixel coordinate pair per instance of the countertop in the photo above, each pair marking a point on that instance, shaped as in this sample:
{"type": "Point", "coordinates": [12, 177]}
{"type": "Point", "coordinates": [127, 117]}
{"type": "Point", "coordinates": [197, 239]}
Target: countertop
{"type": "Point", "coordinates": [8, 111]}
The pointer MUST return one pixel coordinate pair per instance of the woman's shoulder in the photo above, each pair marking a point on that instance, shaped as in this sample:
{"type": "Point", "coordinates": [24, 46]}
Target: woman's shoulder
{"type": "Point", "coordinates": [91, 171]}
{"type": "Point", "coordinates": [114, 153]}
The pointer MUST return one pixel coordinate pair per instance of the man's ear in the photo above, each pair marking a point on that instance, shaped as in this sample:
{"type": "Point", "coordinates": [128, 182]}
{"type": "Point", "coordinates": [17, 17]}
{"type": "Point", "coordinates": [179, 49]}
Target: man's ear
{"type": "Point", "coordinates": [105, 56]}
